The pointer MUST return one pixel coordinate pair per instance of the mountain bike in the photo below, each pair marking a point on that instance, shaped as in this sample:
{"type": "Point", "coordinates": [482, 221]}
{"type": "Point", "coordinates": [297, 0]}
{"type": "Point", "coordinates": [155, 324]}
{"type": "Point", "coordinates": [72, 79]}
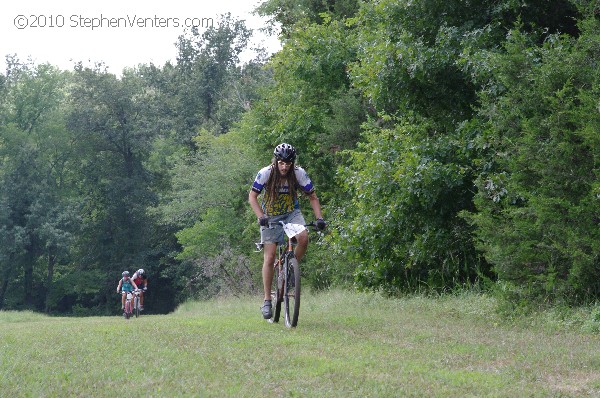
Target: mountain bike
{"type": "Point", "coordinates": [286, 277]}
{"type": "Point", "coordinates": [136, 302]}
{"type": "Point", "coordinates": [127, 310]}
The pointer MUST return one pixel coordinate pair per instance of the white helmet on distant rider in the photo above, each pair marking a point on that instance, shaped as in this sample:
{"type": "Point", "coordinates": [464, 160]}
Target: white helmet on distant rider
{"type": "Point", "coordinates": [140, 272]}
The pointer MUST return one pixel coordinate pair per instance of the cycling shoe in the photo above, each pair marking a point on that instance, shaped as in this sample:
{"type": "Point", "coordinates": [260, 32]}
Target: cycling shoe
{"type": "Point", "coordinates": [266, 309]}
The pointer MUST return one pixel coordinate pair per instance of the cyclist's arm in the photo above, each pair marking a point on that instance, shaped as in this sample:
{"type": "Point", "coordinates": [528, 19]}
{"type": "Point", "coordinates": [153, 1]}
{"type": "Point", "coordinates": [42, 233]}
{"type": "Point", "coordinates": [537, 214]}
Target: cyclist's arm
{"type": "Point", "coordinates": [315, 204]}
{"type": "Point", "coordinates": [143, 282]}
{"type": "Point", "coordinates": [119, 285]}
{"type": "Point", "coordinates": [253, 200]}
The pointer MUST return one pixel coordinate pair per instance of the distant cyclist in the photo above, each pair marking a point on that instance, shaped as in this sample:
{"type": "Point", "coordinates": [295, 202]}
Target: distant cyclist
{"type": "Point", "coordinates": [281, 181]}
{"type": "Point", "coordinates": [126, 284]}
{"type": "Point", "coordinates": [141, 280]}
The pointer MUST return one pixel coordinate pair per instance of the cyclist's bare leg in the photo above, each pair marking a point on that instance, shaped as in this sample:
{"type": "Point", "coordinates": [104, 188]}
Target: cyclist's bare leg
{"type": "Point", "coordinates": [302, 244]}
{"type": "Point", "coordinates": [267, 270]}
{"type": "Point", "coordinates": [123, 294]}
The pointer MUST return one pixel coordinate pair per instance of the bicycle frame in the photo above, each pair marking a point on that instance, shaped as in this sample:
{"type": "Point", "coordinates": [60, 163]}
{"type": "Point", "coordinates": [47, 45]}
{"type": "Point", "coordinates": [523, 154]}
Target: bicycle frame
{"type": "Point", "coordinates": [136, 302]}
{"type": "Point", "coordinates": [284, 249]}
{"type": "Point", "coordinates": [128, 304]}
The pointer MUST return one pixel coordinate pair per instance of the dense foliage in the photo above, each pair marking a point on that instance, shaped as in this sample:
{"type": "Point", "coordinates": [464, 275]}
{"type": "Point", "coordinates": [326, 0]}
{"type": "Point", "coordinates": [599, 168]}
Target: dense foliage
{"type": "Point", "coordinates": [451, 143]}
{"type": "Point", "coordinates": [538, 200]}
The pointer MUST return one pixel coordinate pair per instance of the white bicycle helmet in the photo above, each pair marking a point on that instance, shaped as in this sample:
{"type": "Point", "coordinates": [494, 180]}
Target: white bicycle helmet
{"type": "Point", "coordinates": [140, 272]}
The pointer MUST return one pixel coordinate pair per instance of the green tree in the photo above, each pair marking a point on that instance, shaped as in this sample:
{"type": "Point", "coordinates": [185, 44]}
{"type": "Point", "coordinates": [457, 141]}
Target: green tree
{"type": "Point", "coordinates": [400, 225]}
{"type": "Point", "coordinates": [420, 66]}
{"type": "Point", "coordinates": [110, 119]}
{"type": "Point", "coordinates": [538, 183]}
{"type": "Point", "coordinates": [206, 64]}
{"type": "Point", "coordinates": [209, 204]}
{"type": "Point", "coordinates": [39, 217]}
{"type": "Point", "coordinates": [287, 13]}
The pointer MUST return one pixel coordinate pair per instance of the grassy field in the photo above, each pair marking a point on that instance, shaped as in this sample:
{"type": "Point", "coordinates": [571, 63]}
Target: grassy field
{"type": "Point", "coordinates": [346, 345]}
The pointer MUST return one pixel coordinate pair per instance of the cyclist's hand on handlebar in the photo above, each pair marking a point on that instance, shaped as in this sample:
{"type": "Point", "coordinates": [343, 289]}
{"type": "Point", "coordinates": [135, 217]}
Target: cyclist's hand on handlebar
{"type": "Point", "coordinates": [145, 289]}
{"type": "Point", "coordinates": [320, 224]}
{"type": "Point", "coordinates": [263, 221]}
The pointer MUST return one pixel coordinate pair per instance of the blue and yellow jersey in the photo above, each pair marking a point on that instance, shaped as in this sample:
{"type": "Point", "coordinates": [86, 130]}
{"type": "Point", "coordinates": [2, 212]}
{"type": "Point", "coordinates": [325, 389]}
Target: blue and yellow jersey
{"type": "Point", "coordinates": [284, 203]}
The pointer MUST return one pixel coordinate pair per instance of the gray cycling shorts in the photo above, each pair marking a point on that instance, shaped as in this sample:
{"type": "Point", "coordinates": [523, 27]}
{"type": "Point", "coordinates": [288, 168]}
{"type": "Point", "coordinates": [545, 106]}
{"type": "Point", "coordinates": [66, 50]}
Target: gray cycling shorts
{"type": "Point", "coordinates": [275, 234]}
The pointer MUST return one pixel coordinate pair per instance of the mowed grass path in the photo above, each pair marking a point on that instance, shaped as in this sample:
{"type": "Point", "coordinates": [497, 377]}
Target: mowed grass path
{"type": "Point", "coordinates": [346, 345]}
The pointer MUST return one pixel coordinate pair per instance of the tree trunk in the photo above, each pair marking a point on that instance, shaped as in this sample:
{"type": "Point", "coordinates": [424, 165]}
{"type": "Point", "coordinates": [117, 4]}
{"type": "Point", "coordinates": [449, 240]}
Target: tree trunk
{"type": "Point", "coordinates": [49, 279]}
{"type": "Point", "coordinates": [6, 272]}
{"type": "Point", "coordinates": [3, 288]}
{"type": "Point", "coordinates": [28, 279]}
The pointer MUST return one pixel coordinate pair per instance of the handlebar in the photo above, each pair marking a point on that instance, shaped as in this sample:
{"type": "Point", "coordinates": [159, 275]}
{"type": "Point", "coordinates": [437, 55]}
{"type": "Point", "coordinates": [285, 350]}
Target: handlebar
{"type": "Point", "coordinates": [133, 291]}
{"type": "Point", "coordinates": [259, 245]}
{"type": "Point", "coordinates": [274, 224]}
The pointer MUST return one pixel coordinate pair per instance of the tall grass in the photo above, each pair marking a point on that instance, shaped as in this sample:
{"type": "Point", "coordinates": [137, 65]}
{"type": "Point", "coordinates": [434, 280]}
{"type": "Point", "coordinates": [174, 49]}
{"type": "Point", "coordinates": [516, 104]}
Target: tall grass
{"type": "Point", "coordinates": [346, 345]}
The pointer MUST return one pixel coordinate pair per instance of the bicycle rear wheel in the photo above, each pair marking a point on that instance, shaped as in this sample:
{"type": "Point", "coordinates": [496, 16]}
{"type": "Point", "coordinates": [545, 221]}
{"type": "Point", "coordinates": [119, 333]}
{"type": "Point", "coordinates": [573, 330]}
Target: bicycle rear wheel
{"type": "Point", "coordinates": [277, 294]}
{"type": "Point", "coordinates": [291, 296]}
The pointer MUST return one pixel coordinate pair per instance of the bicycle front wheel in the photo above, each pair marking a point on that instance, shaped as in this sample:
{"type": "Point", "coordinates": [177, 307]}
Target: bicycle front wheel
{"type": "Point", "coordinates": [291, 296]}
{"type": "Point", "coordinates": [136, 305]}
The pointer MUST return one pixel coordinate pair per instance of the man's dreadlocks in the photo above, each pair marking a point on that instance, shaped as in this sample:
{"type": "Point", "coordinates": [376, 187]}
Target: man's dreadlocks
{"type": "Point", "coordinates": [275, 181]}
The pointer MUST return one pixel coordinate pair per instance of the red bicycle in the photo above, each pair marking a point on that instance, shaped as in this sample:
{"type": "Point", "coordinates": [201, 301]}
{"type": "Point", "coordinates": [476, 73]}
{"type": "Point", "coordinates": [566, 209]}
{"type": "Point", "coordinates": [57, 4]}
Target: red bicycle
{"type": "Point", "coordinates": [129, 304]}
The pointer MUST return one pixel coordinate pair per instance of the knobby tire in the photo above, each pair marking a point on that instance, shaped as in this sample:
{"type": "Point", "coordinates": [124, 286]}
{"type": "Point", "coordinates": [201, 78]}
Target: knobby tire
{"type": "Point", "coordinates": [136, 305]}
{"type": "Point", "coordinates": [291, 292]}
{"type": "Point", "coordinates": [127, 309]}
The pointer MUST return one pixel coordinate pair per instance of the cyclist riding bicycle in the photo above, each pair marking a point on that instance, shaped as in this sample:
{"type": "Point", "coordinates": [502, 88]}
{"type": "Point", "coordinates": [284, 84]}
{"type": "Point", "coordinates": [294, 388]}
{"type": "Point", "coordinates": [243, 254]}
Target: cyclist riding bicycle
{"type": "Point", "coordinates": [281, 181]}
{"type": "Point", "coordinates": [141, 280]}
{"type": "Point", "coordinates": [126, 284]}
